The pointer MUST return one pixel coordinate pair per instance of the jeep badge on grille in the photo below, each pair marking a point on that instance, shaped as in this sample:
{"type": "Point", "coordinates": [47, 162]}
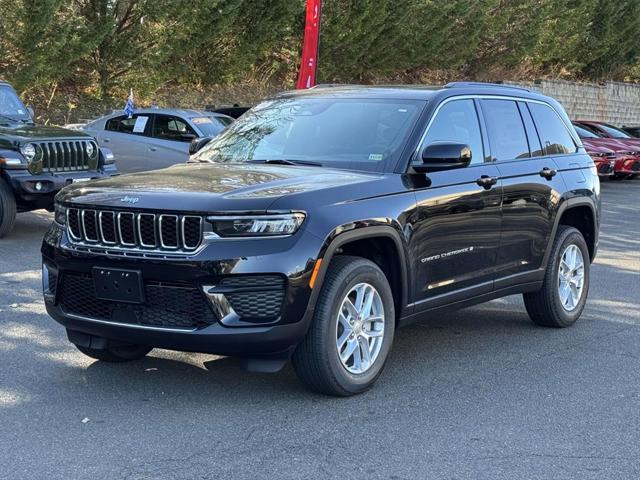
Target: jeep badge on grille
{"type": "Point", "coordinates": [131, 200]}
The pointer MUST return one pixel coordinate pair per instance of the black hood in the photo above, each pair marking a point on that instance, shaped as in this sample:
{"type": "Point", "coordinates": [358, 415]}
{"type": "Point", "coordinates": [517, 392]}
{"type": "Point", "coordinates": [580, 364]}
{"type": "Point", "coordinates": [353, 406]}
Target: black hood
{"type": "Point", "coordinates": [21, 133]}
{"type": "Point", "coordinates": [210, 187]}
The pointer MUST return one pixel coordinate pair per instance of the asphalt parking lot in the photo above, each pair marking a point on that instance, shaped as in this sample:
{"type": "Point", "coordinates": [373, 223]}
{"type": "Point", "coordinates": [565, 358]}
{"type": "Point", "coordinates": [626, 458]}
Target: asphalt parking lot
{"type": "Point", "coordinates": [482, 393]}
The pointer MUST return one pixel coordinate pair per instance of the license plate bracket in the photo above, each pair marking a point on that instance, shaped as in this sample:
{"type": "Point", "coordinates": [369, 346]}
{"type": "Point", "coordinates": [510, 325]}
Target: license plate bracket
{"type": "Point", "coordinates": [118, 285]}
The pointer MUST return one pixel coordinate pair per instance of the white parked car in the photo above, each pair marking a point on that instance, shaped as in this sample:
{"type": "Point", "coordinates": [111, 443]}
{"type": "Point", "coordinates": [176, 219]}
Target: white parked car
{"type": "Point", "coordinates": [154, 138]}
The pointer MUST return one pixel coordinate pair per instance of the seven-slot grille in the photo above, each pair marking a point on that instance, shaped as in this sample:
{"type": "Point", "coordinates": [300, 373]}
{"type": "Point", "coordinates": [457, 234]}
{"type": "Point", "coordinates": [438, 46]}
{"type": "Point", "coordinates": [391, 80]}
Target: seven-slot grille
{"type": "Point", "coordinates": [134, 230]}
{"type": "Point", "coordinates": [65, 156]}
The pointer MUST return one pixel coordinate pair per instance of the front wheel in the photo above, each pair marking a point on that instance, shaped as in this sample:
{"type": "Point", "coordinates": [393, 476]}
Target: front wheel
{"type": "Point", "coordinates": [352, 330]}
{"type": "Point", "coordinates": [566, 283]}
{"type": "Point", "coordinates": [7, 209]}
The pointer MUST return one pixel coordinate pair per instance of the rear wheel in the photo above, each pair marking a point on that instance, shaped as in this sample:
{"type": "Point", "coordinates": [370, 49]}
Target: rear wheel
{"type": "Point", "coordinates": [352, 330]}
{"type": "Point", "coordinates": [7, 209]}
{"type": "Point", "coordinates": [116, 354]}
{"type": "Point", "coordinates": [566, 283]}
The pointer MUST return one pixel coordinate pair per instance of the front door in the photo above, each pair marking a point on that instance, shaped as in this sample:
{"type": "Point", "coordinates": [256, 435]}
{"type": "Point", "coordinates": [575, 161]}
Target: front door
{"type": "Point", "coordinates": [170, 141]}
{"type": "Point", "coordinates": [456, 225]}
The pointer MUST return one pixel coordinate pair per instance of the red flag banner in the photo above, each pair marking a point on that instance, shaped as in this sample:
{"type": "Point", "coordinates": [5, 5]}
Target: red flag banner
{"type": "Point", "coordinates": [309, 61]}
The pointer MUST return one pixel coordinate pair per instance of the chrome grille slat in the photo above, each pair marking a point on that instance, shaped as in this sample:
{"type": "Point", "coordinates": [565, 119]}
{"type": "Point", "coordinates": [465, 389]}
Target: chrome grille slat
{"type": "Point", "coordinates": [64, 156]}
{"type": "Point", "coordinates": [130, 231]}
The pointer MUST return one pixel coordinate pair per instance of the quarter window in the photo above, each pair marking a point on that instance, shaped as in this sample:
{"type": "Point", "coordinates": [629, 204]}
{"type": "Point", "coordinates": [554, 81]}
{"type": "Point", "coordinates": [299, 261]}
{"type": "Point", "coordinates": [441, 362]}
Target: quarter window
{"type": "Point", "coordinates": [457, 122]}
{"type": "Point", "coordinates": [506, 131]}
{"type": "Point", "coordinates": [556, 139]}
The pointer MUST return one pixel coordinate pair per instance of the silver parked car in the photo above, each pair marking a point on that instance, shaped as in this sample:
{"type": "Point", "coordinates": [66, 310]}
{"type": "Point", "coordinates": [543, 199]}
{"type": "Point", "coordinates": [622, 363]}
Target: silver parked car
{"type": "Point", "coordinates": [154, 138]}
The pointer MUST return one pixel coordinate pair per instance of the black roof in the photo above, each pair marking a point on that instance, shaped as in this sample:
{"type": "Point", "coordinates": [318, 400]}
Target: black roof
{"type": "Point", "coordinates": [413, 92]}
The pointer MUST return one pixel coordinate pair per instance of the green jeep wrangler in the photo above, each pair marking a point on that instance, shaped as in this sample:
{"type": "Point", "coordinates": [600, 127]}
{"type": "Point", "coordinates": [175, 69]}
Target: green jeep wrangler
{"type": "Point", "coordinates": [37, 161]}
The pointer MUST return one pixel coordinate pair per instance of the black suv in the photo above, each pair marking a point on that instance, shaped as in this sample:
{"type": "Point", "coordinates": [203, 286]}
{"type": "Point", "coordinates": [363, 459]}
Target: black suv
{"type": "Point", "coordinates": [37, 161]}
{"type": "Point", "coordinates": [324, 219]}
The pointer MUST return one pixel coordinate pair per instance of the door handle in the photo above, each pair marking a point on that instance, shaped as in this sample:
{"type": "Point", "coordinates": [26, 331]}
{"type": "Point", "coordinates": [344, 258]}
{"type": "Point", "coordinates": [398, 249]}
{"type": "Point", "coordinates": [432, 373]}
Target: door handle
{"type": "Point", "coordinates": [548, 173]}
{"type": "Point", "coordinates": [486, 181]}
{"type": "Point", "coordinates": [152, 149]}
{"type": "Point", "coordinates": [106, 140]}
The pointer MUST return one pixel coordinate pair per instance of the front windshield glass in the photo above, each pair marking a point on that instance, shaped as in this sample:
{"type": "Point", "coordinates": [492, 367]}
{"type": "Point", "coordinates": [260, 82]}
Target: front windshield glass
{"type": "Point", "coordinates": [584, 133]}
{"type": "Point", "coordinates": [614, 132]}
{"type": "Point", "coordinates": [210, 126]}
{"type": "Point", "coordinates": [11, 107]}
{"type": "Point", "coordinates": [358, 134]}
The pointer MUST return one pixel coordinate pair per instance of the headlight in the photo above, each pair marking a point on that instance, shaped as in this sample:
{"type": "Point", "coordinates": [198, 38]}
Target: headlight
{"type": "Point", "coordinates": [29, 151]}
{"type": "Point", "coordinates": [256, 225]}
{"type": "Point", "coordinates": [60, 215]}
{"type": "Point", "coordinates": [91, 149]}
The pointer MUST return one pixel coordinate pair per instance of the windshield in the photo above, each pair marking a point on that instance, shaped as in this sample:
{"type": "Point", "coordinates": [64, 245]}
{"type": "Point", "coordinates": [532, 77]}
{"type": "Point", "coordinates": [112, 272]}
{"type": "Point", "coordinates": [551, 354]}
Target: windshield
{"type": "Point", "coordinates": [11, 107]}
{"type": "Point", "coordinates": [210, 126]}
{"type": "Point", "coordinates": [358, 134]}
{"type": "Point", "coordinates": [613, 131]}
{"type": "Point", "coordinates": [584, 133]}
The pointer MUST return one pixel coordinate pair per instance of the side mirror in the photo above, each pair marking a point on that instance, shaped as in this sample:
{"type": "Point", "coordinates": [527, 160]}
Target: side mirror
{"type": "Point", "coordinates": [198, 144]}
{"type": "Point", "coordinates": [187, 137]}
{"type": "Point", "coordinates": [444, 156]}
{"type": "Point", "coordinates": [31, 112]}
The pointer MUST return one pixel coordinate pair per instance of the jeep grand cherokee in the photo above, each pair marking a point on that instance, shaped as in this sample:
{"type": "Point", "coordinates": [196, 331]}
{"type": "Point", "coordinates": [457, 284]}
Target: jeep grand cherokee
{"type": "Point", "coordinates": [324, 219]}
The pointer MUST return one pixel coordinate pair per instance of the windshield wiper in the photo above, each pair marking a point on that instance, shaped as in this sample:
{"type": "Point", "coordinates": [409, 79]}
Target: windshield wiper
{"type": "Point", "coordinates": [11, 119]}
{"type": "Point", "coordinates": [283, 161]}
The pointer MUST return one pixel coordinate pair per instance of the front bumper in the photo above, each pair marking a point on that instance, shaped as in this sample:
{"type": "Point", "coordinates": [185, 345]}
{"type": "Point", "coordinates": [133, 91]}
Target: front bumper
{"type": "Point", "coordinates": [627, 165]}
{"type": "Point", "coordinates": [605, 167]}
{"type": "Point", "coordinates": [28, 197]}
{"type": "Point", "coordinates": [215, 330]}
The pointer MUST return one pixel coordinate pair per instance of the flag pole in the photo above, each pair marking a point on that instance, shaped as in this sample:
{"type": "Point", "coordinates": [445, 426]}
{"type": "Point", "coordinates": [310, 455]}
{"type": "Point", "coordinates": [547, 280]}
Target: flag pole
{"type": "Point", "coordinates": [310, 45]}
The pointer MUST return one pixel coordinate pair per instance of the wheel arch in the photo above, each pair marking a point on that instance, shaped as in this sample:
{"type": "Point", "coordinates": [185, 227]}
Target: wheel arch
{"type": "Point", "coordinates": [580, 213]}
{"type": "Point", "coordinates": [380, 240]}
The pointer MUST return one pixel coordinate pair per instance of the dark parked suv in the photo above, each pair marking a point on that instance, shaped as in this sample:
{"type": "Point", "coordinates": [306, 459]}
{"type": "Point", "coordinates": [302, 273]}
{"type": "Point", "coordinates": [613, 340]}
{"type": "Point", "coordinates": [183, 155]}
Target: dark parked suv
{"type": "Point", "coordinates": [324, 219]}
{"type": "Point", "coordinates": [37, 161]}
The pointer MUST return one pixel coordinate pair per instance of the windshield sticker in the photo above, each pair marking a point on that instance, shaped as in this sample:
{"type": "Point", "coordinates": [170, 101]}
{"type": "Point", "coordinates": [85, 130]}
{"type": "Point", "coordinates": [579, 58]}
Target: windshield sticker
{"type": "Point", "coordinates": [376, 157]}
{"type": "Point", "coordinates": [141, 122]}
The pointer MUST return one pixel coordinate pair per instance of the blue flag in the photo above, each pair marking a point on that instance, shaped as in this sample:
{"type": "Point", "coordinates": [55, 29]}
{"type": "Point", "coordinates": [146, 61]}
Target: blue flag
{"type": "Point", "coordinates": [129, 108]}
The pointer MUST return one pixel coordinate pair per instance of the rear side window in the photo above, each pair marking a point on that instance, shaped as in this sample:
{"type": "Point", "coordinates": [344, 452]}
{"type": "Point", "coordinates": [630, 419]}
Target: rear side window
{"type": "Point", "coordinates": [507, 136]}
{"type": "Point", "coordinates": [137, 124]}
{"type": "Point", "coordinates": [555, 138]}
{"type": "Point", "coordinates": [457, 122]}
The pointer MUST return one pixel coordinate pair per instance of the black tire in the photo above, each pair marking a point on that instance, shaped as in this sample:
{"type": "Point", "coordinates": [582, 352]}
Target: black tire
{"type": "Point", "coordinates": [116, 354]}
{"type": "Point", "coordinates": [316, 359]}
{"type": "Point", "coordinates": [545, 307]}
{"type": "Point", "coordinates": [7, 209]}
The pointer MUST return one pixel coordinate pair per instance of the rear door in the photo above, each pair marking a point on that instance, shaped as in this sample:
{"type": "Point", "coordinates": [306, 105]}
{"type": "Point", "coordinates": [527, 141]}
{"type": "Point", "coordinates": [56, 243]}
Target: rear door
{"type": "Point", "coordinates": [127, 137]}
{"type": "Point", "coordinates": [531, 188]}
{"type": "Point", "coordinates": [171, 136]}
{"type": "Point", "coordinates": [456, 226]}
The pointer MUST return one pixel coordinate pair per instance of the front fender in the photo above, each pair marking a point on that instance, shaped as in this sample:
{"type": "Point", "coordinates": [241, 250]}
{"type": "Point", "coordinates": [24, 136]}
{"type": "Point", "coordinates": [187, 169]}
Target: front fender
{"type": "Point", "coordinates": [347, 233]}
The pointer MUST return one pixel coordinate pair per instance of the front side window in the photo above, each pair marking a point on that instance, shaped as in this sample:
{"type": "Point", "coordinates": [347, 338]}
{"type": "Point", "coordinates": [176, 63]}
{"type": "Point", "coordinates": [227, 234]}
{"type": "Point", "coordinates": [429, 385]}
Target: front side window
{"type": "Point", "coordinates": [350, 133]}
{"type": "Point", "coordinates": [555, 138]}
{"type": "Point", "coordinates": [166, 127]}
{"type": "Point", "coordinates": [457, 122]}
{"type": "Point", "coordinates": [506, 131]}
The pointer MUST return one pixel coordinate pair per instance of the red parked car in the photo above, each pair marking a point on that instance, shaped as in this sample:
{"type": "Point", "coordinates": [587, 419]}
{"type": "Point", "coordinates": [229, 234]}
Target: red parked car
{"type": "Point", "coordinates": [627, 151]}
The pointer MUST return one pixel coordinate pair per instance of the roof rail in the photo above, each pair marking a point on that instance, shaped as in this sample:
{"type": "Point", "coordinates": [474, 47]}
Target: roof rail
{"type": "Point", "coordinates": [330, 85]}
{"type": "Point", "coordinates": [483, 84]}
